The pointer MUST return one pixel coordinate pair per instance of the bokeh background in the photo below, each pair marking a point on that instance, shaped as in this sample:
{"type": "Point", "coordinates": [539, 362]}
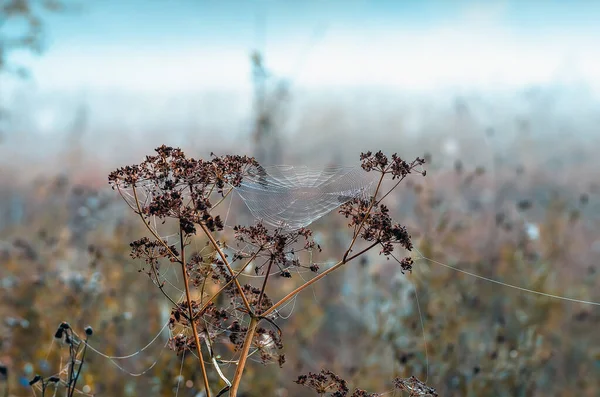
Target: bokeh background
{"type": "Point", "coordinates": [502, 98]}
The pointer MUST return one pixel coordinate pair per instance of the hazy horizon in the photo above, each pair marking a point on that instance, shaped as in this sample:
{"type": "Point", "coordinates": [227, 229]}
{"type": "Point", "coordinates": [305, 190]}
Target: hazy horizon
{"type": "Point", "coordinates": [152, 71]}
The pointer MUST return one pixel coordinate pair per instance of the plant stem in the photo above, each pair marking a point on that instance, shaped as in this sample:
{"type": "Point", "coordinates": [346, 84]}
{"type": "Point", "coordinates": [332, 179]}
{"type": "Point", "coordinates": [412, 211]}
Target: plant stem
{"type": "Point", "coordinates": [357, 233]}
{"type": "Point", "coordinates": [262, 290]}
{"type": "Point", "coordinates": [80, 366]}
{"type": "Point", "coordinates": [191, 314]}
{"type": "Point", "coordinates": [226, 262]}
{"type": "Point", "coordinates": [222, 198]}
{"type": "Point", "coordinates": [242, 362]}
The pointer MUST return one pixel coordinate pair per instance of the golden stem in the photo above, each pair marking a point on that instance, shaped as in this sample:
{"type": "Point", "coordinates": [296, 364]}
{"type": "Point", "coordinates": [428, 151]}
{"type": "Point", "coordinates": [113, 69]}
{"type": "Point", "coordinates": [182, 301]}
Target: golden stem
{"type": "Point", "coordinates": [242, 362]}
{"type": "Point", "coordinates": [191, 314]}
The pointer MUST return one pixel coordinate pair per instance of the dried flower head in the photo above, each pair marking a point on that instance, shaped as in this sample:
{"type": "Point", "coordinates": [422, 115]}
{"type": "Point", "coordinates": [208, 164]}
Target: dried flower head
{"type": "Point", "coordinates": [324, 382]}
{"type": "Point", "coordinates": [396, 167]}
{"type": "Point", "coordinates": [175, 186]}
{"type": "Point", "coordinates": [376, 225]}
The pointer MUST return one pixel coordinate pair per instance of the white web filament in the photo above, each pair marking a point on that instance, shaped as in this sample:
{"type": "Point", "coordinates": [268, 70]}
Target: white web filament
{"type": "Point", "coordinates": [293, 197]}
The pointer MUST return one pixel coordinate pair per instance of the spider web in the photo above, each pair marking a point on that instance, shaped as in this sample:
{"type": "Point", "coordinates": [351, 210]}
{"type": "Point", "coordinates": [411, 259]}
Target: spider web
{"type": "Point", "coordinates": [293, 197]}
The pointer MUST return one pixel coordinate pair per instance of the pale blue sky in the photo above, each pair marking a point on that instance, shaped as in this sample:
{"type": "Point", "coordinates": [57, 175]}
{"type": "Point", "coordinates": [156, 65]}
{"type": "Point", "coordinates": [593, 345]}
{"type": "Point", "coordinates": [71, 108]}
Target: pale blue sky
{"type": "Point", "coordinates": [191, 45]}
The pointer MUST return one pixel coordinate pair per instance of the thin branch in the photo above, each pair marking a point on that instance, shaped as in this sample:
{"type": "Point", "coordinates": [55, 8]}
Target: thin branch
{"type": "Point", "coordinates": [192, 323]}
{"type": "Point", "coordinates": [412, 165]}
{"type": "Point", "coordinates": [391, 189]}
{"type": "Point", "coordinates": [357, 232]}
{"type": "Point", "coordinates": [202, 289]}
{"type": "Point", "coordinates": [223, 198]}
{"type": "Point", "coordinates": [226, 262]}
{"type": "Point", "coordinates": [279, 331]}
{"type": "Point", "coordinates": [264, 285]}
{"type": "Point", "coordinates": [80, 366]}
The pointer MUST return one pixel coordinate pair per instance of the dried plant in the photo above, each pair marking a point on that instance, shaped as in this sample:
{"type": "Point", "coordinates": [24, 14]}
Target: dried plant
{"type": "Point", "coordinates": [170, 188]}
{"type": "Point", "coordinates": [69, 375]}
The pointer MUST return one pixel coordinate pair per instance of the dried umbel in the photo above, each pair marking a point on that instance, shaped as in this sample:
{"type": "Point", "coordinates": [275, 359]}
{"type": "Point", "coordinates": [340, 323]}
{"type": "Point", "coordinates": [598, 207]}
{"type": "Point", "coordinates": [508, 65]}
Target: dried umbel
{"type": "Point", "coordinates": [378, 226]}
{"type": "Point", "coordinates": [170, 187]}
{"type": "Point", "coordinates": [179, 187]}
{"type": "Point", "coordinates": [396, 167]}
{"type": "Point", "coordinates": [324, 382]}
{"type": "Point", "coordinates": [276, 249]}
{"type": "Point", "coordinates": [328, 383]}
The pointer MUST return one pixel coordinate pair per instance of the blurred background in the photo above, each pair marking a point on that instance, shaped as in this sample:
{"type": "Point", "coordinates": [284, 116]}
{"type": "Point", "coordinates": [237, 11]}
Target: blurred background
{"type": "Point", "coordinates": [501, 97]}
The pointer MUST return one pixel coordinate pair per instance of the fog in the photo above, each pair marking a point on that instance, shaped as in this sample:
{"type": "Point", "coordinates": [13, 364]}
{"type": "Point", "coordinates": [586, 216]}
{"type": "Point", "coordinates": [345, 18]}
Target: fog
{"type": "Point", "coordinates": [183, 73]}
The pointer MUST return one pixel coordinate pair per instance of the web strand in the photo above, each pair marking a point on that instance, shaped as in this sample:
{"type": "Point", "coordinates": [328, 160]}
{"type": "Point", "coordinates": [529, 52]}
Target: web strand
{"type": "Point", "coordinates": [498, 282]}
